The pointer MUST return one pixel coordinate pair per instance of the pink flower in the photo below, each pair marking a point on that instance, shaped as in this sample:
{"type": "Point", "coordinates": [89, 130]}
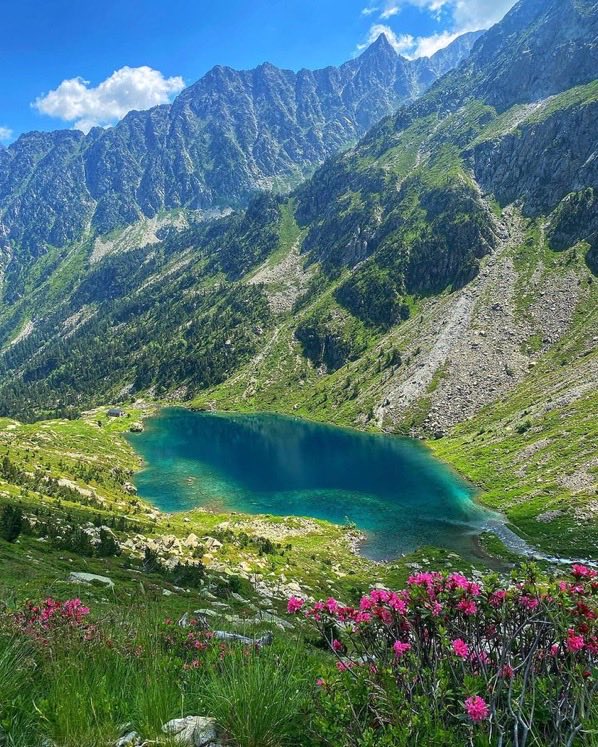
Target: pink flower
{"type": "Point", "coordinates": [574, 642]}
{"type": "Point", "coordinates": [397, 604]}
{"type": "Point", "coordinates": [436, 609]}
{"type": "Point", "coordinates": [294, 605]}
{"type": "Point", "coordinates": [460, 648]}
{"type": "Point", "coordinates": [592, 646]}
{"type": "Point", "coordinates": [475, 589]}
{"type": "Point", "coordinates": [554, 649]}
{"type": "Point", "coordinates": [458, 581]}
{"type": "Point", "coordinates": [507, 671]}
{"type": "Point", "coordinates": [321, 682]}
{"type": "Point", "coordinates": [343, 666]}
{"type": "Point", "coordinates": [479, 658]}
{"type": "Point", "coordinates": [581, 571]}
{"type": "Point", "coordinates": [477, 708]}
{"type": "Point", "coordinates": [498, 597]}
{"type": "Point", "coordinates": [426, 578]}
{"type": "Point", "coordinates": [528, 602]}
{"type": "Point", "coordinates": [400, 648]}
{"type": "Point", "coordinates": [380, 596]}
{"type": "Point", "coordinates": [336, 645]}
{"type": "Point", "coordinates": [467, 607]}
{"type": "Point", "coordinates": [384, 615]}
{"type": "Point", "coordinates": [332, 606]}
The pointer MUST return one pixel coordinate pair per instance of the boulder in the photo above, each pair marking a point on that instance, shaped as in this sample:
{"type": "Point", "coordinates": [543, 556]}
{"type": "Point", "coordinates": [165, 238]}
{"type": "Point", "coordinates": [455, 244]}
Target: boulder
{"type": "Point", "coordinates": [193, 731]}
{"type": "Point", "coordinates": [212, 543]}
{"type": "Point", "coordinates": [88, 578]}
{"type": "Point", "coordinates": [136, 428]}
{"type": "Point", "coordinates": [192, 542]}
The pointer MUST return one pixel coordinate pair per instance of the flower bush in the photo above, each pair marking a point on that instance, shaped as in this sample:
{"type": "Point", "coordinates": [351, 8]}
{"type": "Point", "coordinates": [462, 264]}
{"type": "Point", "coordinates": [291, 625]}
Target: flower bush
{"type": "Point", "coordinates": [500, 663]}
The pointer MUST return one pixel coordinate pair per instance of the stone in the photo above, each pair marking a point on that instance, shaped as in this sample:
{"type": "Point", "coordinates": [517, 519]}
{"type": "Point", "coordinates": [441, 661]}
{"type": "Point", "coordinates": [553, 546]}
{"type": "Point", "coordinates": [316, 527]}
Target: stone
{"type": "Point", "coordinates": [80, 577]}
{"type": "Point", "coordinates": [206, 613]}
{"type": "Point", "coordinates": [212, 543]}
{"type": "Point", "coordinates": [136, 428]}
{"type": "Point", "coordinates": [193, 731]}
{"type": "Point", "coordinates": [130, 739]}
{"type": "Point", "coordinates": [192, 542]}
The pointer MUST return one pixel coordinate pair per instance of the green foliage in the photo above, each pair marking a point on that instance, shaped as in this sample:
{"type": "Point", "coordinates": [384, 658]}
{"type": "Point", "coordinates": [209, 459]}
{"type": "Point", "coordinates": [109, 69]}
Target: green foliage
{"type": "Point", "coordinates": [17, 727]}
{"type": "Point", "coordinates": [11, 522]}
{"type": "Point", "coordinates": [261, 700]}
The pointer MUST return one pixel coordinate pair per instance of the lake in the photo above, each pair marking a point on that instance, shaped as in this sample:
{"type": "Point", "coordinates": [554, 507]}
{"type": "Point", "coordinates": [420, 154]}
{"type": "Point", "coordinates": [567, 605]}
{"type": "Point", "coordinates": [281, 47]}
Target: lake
{"type": "Point", "coordinates": [391, 488]}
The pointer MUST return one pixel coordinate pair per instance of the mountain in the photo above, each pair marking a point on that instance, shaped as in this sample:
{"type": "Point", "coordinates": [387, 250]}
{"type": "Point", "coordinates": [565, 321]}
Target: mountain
{"type": "Point", "coordinates": [437, 279]}
{"type": "Point", "coordinates": [224, 137]}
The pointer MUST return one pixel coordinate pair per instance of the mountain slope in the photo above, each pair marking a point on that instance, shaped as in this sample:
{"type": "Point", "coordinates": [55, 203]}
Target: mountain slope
{"type": "Point", "coordinates": [225, 136]}
{"type": "Point", "coordinates": [438, 279]}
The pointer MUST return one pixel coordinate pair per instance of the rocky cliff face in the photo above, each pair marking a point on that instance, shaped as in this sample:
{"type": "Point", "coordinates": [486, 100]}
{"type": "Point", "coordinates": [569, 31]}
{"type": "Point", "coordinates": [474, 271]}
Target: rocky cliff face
{"type": "Point", "coordinates": [227, 135]}
{"type": "Point", "coordinates": [540, 162]}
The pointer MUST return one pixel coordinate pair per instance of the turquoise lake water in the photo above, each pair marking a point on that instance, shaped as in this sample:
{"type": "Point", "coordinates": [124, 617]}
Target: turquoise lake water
{"type": "Point", "coordinates": [391, 488]}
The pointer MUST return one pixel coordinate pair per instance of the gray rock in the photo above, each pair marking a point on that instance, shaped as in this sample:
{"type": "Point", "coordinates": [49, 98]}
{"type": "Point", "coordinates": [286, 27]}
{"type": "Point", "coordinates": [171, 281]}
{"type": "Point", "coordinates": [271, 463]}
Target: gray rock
{"type": "Point", "coordinates": [193, 731]}
{"type": "Point", "coordinates": [87, 578]}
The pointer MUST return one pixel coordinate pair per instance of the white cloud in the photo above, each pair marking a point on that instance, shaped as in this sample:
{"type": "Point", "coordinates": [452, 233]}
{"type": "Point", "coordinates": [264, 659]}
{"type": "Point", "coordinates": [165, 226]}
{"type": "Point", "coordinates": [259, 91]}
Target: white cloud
{"type": "Point", "coordinates": [463, 15]}
{"type": "Point", "coordinates": [402, 44]}
{"type": "Point", "coordinates": [457, 17]}
{"type": "Point", "coordinates": [408, 45]}
{"type": "Point", "coordinates": [5, 133]}
{"type": "Point", "coordinates": [126, 89]}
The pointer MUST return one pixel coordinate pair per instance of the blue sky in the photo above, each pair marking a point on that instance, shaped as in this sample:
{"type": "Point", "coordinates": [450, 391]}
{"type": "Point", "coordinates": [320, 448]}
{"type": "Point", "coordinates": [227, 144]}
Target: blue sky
{"type": "Point", "coordinates": [66, 63]}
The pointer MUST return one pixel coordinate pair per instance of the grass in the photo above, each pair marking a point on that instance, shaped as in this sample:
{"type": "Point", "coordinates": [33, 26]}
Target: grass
{"type": "Point", "coordinates": [262, 700]}
{"type": "Point", "coordinates": [91, 699]}
{"type": "Point", "coordinates": [80, 693]}
{"type": "Point", "coordinates": [16, 722]}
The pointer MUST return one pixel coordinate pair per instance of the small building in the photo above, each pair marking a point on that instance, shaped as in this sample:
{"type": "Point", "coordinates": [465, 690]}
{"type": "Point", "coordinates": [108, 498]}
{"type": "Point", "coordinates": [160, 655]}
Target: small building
{"type": "Point", "coordinates": [115, 412]}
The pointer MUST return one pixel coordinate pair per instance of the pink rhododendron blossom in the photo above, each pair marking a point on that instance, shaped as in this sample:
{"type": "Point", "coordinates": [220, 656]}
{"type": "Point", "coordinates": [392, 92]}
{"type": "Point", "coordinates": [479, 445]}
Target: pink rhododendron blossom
{"type": "Point", "coordinates": [332, 606]}
{"type": "Point", "coordinates": [294, 605]}
{"type": "Point", "coordinates": [467, 607]}
{"type": "Point", "coordinates": [574, 642]}
{"type": "Point", "coordinates": [528, 602]}
{"type": "Point", "coordinates": [498, 597]}
{"type": "Point", "coordinates": [458, 581]}
{"type": "Point", "coordinates": [460, 648]}
{"type": "Point", "coordinates": [477, 708]}
{"type": "Point", "coordinates": [400, 648]}
{"type": "Point", "coordinates": [581, 571]}
{"type": "Point", "coordinates": [336, 645]}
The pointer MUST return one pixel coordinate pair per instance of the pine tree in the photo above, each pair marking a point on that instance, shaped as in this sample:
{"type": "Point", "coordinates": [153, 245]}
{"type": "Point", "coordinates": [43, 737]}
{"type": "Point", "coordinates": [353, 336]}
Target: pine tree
{"type": "Point", "coordinates": [11, 523]}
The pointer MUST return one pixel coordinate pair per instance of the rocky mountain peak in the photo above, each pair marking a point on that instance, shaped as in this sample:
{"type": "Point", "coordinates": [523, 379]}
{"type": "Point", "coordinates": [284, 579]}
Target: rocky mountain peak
{"type": "Point", "coordinates": [224, 137]}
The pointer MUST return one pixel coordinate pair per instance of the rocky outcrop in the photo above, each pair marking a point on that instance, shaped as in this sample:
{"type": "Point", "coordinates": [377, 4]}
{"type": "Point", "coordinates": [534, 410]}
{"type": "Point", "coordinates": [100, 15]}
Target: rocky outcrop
{"type": "Point", "coordinates": [541, 162]}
